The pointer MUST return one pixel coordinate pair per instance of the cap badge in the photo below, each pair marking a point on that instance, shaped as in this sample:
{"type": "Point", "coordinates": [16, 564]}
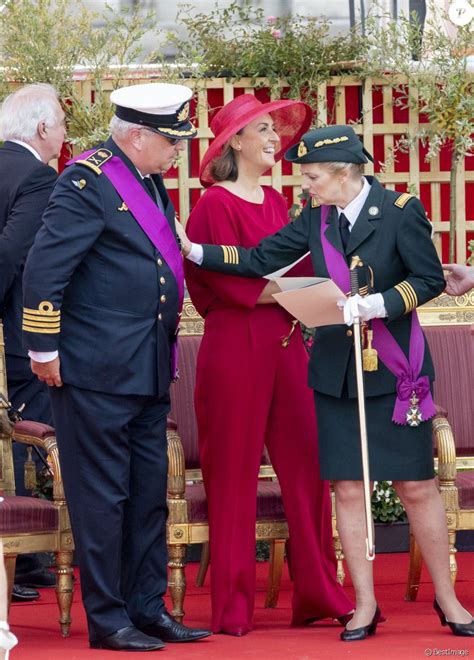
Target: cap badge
{"type": "Point", "coordinates": [79, 183]}
{"type": "Point", "coordinates": [374, 210]}
{"type": "Point", "coordinates": [302, 149]}
{"type": "Point", "coordinates": [183, 114]}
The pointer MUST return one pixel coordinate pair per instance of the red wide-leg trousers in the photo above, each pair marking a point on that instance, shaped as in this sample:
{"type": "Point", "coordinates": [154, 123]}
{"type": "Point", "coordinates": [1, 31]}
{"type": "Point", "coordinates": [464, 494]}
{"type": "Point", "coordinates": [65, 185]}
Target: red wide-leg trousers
{"type": "Point", "coordinates": [249, 393]}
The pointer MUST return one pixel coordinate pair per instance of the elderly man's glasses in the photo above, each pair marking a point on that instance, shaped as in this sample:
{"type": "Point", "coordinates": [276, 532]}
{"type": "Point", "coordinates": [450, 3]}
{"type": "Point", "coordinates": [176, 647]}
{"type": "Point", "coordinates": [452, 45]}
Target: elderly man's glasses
{"type": "Point", "coordinates": [172, 141]}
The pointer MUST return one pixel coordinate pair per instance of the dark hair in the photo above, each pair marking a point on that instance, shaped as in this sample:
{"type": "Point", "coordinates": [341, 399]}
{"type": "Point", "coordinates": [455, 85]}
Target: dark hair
{"type": "Point", "coordinates": [224, 167]}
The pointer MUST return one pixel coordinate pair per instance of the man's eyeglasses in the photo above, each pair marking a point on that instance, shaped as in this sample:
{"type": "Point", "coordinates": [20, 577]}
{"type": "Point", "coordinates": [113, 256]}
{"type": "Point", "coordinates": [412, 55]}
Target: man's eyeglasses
{"type": "Point", "coordinates": [172, 141]}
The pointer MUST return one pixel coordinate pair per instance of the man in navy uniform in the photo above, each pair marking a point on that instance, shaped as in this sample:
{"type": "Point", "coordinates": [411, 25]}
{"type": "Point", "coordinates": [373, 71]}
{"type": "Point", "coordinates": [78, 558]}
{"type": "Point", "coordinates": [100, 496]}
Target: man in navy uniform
{"type": "Point", "coordinates": [32, 126]}
{"type": "Point", "coordinates": [102, 291]}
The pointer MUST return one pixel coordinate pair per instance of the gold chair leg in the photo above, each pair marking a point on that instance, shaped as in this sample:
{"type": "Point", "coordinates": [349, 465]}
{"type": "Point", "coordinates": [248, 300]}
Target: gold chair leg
{"type": "Point", "coordinates": [277, 558]}
{"type": "Point", "coordinates": [64, 589]}
{"type": "Point", "coordinates": [340, 573]}
{"type": "Point", "coordinates": [204, 565]}
{"type": "Point", "coordinates": [414, 570]}
{"type": "Point", "coordinates": [453, 566]}
{"type": "Point", "coordinates": [10, 564]}
{"type": "Point", "coordinates": [177, 580]}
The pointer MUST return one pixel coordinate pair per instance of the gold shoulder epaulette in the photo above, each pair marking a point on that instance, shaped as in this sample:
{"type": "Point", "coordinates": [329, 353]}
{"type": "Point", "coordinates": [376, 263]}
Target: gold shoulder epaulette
{"type": "Point", "coordinates": [45, 320]}
{"type": "Point", "coordinates": [96, 159]}
{"type": "Point", "coordinates": [231, 255]}
{"type": "Point", "coordinates": [402, 200]}
{"type": "Point", "coordinates": [408, 294]}
{"type": "Point", "coordinates": [314, 203]}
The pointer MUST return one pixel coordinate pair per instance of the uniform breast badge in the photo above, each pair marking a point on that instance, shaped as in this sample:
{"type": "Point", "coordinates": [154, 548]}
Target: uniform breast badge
{"type": "Point", "coordinates": [79, 183]}
{"type": "Point", "coordinates": [414, 416]}
{"type": "Point", "coordinates": [123, 207]}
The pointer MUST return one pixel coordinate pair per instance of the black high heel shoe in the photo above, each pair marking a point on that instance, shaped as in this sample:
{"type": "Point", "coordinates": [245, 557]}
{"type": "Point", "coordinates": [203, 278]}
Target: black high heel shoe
{"type": "Point", "coordinates": [460, 629]}
{"type": "Point", "coordinates": [359, 634]}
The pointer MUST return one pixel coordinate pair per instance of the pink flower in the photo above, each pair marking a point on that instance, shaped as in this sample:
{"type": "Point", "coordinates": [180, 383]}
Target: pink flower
{"type": "Point", "coordinates": [271, 20]}
{"type": "Point", "coordinates": [276, 34]}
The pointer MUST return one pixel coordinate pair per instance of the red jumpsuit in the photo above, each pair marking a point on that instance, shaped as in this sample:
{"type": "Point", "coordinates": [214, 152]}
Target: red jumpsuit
{"type": "Point", "coordinates": [250, 390]}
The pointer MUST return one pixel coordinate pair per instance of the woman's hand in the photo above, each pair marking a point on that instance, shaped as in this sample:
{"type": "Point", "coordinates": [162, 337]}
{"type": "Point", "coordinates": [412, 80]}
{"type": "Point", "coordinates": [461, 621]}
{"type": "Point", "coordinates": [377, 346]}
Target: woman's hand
{"type": "Point", "coordinates": [460, 279]}
{"type": "Point", "coordinates": [184, 240]}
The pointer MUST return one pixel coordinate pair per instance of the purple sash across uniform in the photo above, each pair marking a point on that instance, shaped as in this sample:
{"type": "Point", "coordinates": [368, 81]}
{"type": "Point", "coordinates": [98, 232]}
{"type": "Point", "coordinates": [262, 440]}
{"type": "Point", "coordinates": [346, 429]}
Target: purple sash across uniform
{"type": "Point", "coordinates": [407, 372]}
{"type": "Point", "coordinates": [153, 222]}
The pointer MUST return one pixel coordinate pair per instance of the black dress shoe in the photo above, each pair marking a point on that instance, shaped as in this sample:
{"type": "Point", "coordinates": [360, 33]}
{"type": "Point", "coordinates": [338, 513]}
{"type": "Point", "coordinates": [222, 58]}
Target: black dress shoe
{"type": "Point", "coordinates": [128, 639]}
{"type": "Point", "coordinates": [41, 579]}
{"type": "Point", "coordinates": [21, 594]}
{"type": "Point", "coordinates": [363, 632]}
{"type": "Point", "coordinates": [459, 629]}
{"type": "Point", "coordinates": [169, 630]}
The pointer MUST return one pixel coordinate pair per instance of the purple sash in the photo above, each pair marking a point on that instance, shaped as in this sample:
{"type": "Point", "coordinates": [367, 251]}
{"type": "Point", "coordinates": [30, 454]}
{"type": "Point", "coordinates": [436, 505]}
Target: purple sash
{"type": "Point", "coordinates": [407, 372]}
{"type": "Point", "coordinates": [153, 222]}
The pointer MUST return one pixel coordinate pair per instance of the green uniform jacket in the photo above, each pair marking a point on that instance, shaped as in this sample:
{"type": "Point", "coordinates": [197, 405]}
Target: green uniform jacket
{"type": "Point", "coordinates": [393, 236]}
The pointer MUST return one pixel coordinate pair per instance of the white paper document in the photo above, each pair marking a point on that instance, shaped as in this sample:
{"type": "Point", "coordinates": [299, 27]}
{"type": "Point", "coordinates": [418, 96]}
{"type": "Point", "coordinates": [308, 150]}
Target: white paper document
{"type": "Point", "coordinates": [311, 300]}
{"type": "Point", "coordinates": [285, 269]}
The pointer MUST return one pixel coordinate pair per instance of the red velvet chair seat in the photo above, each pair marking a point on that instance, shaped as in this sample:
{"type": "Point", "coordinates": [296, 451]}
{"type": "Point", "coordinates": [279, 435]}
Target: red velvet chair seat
{"type": "Point", "coordinates": [465, 484]}
{"type": "Point", "coordinates": [27, 515]}
{"type": "Point", "coordinates": [269, 502]}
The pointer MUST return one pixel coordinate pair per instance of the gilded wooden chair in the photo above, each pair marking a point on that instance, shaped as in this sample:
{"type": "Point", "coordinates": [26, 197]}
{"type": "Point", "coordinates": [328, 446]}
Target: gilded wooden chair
{"type": "Point", "coordinates": [447, 324]}
{"type": "Point", "coordinates": [187, 522]}
{"type": "Point", "coordinates": [30, 524]}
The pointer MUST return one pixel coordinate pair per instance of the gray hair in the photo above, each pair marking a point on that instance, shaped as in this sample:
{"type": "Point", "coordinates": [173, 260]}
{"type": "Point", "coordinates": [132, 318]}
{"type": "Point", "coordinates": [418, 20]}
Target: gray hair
{"type": "Point", "coordinates": [119, 127]}
{"type": "Point", "coordinates": [24, 109]}
{"type": "Point", "coordinates": [353, 169]}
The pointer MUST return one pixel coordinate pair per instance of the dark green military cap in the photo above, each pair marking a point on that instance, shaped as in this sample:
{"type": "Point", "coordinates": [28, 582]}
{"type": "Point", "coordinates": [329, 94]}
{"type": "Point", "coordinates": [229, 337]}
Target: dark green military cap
{"type": "Point", "coordinates": [329, 144]}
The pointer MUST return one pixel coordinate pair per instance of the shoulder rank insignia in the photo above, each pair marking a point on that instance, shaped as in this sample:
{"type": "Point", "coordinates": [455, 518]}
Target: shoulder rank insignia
{"type": "Point", "coordinates": [314, 203]}
{"type": "Point", "coordinates": [79, 183]}
{"type": "Point", "coordinates": [96, 159]}
{"type": "Point", "coordinates": [402, 200]}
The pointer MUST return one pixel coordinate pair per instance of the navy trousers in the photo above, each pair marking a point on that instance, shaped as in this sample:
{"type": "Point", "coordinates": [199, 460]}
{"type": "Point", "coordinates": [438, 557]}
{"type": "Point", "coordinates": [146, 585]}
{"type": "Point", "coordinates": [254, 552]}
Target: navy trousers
{"type": "Point", "coordinates": [113, 455]}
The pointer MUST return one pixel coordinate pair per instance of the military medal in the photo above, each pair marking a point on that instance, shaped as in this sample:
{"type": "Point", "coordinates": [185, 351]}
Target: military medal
{"type": "Point", "coordinates": [414, 416]}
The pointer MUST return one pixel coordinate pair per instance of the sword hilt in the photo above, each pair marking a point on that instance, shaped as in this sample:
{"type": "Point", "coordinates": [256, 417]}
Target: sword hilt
{"type": "Point", "coordinates": [356, 263]}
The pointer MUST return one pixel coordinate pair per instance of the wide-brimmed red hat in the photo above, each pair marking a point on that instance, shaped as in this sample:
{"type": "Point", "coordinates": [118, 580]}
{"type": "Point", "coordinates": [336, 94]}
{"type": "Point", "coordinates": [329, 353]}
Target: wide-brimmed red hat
{"type": "Point", "coordinates": [292, 119]}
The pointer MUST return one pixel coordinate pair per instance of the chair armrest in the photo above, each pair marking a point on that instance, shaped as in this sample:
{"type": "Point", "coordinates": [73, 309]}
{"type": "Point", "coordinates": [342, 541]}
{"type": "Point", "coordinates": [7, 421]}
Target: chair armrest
{"type": "Point", "coordinates": [41, 435]}
{"type": "Point", "coordinates": [446, 461]}
{"type": "Point", "coordinates": [176, 465]}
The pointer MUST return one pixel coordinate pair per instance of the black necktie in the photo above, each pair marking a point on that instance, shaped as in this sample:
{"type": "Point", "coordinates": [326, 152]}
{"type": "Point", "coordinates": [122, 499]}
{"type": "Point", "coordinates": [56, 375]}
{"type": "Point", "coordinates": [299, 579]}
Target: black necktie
{"type": "Point", "coordinates": [150, 187]}
{"type": "Point", "coordinates": [344, 225]}
{"type": "Point", "coordinates": [155, 195]}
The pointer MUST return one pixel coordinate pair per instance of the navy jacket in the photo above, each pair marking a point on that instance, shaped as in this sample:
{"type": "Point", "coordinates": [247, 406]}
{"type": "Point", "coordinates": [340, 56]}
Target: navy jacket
{"type": "Point", "coordinates": [25, 186]}
{"type": "Point", "coordinates": [99, 290]}
{"type": "Point", "coordinates": [393, 236]}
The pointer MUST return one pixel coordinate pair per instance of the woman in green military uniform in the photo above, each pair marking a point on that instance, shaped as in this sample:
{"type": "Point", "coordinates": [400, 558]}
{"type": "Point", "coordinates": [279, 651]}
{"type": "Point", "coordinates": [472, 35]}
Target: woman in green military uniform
{"type": "Point", "coordinates": [351, 214]}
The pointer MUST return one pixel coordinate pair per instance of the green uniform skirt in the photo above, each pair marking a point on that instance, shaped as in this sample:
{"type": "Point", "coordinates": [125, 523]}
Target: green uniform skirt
{"type": "Point", "coordinates": [402, 453]}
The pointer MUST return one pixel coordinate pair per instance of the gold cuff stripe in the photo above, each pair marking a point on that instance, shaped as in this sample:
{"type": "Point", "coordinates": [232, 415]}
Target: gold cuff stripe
{"type": "Point", "coordinates": [412, 291]}
{"type": "Point", "coordinates": [42, 324]}
{"type": "Point", "coordinates": [404, 297]}
{"type": "Point", "coordinates": [42, 313]}
{"type": "Point", "coordinates": [41, 331]}
{"type": "Point", "coordinates": [402, 200]}
{"type": "Point", "coordinates": [39, 317]}
{"type": "Point", "coordinates": [408, 295]}
{"type": "Point", "coordinates": [231, 255]}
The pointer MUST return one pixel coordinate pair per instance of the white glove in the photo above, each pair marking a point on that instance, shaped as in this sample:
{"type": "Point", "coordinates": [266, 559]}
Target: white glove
{"type": "Point", "coordinates": [370, 307]}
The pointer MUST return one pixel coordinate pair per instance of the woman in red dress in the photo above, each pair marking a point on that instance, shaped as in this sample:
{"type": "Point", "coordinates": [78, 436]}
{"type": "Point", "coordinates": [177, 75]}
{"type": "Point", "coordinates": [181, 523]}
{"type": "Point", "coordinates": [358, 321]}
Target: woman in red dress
{"type": "Point", "coordinates": [250, 387]}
